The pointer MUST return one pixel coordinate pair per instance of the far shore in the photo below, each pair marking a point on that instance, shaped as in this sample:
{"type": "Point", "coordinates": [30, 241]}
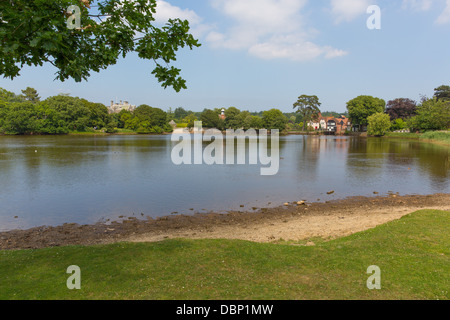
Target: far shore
{"type": "Point", "coordinates": [391, 135]}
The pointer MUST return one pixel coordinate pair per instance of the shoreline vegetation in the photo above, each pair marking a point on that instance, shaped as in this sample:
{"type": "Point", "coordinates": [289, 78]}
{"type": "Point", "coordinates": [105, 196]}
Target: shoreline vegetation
{"type": "Point", "coordinates": [26, 114]}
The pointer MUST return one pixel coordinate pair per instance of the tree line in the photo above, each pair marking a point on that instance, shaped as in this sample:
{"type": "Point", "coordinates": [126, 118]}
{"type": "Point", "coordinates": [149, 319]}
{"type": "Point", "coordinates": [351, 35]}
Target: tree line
{"type": "Point", "coordinates": [378, 117]}
{"type": "Point", "coordinates": [430, 114]}
{"type": "Point", "coordinates": [63, 114]}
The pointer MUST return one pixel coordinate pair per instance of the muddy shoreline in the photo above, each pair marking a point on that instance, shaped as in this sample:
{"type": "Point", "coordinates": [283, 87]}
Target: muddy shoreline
{"type": "Point", "coordinates": [289, 222]}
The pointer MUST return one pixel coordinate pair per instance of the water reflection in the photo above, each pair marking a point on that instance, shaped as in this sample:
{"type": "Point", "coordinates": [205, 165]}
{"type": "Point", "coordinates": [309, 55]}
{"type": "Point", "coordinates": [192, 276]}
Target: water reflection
{"type": "Point", "coordinates": [53, 180]}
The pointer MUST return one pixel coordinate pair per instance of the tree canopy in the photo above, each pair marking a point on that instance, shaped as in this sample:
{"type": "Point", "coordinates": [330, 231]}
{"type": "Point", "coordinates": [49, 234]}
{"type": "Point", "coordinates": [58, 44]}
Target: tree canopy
{"type": "Point", "coordinates": [274, 119]}
{"type": "Point", "coordinates": [31, 94]}
{"type": "Point", "coordinates": [378, 124]}
{"type": "Point", "coordinates": [432, 114]}
{"type": "Point", "coordinates": [362, 107]}
{"type": "Point", "coordinates": [401, 108]}
{"type": "Point", "coordinates": [308, 107]}
{"type": "Point", "coordinates": [34, 32]}
{"type": "Point", "coordinates": [442, 93]}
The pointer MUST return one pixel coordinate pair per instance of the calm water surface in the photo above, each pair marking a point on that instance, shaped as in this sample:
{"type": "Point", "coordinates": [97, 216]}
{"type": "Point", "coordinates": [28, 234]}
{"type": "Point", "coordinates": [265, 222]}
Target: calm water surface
{"type": "Point", "coordinates": [75, 179]}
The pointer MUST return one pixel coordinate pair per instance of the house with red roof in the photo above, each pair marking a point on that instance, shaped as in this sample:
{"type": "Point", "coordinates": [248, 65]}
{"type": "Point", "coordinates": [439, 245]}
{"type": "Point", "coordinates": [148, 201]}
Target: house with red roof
{"type": "Point", "coordinates": [331, 124]}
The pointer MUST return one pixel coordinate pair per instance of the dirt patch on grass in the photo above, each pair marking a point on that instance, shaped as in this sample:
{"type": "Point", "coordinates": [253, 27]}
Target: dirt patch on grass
{"type": "Point", "coordinates": [292, 222]}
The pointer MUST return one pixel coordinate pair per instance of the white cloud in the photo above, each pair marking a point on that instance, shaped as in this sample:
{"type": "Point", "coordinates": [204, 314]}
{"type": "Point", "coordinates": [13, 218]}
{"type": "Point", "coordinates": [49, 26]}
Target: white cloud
{"type": "Point", "coordinates": [417, 5]}
{"type": "Point", "coordinates": [445, 15]}
{"type": "Point", "coordinates": [348, 10]}
{"type": "Point", "coordinates": [425, 5]}
{"type": "Point", "coordinates": [166, 11]}
{"type": "Point", "coordinates": [268, 29]}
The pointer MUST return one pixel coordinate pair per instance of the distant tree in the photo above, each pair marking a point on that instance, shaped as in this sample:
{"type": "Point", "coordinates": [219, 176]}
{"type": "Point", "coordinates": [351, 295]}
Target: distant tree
{"type": "Point", "coordinates": [158, 118]}
{"type": "Point", "coordinates": [34, 32]}
{"type": "Point", "coordinates": [31, 95]}
{"type": "Point", "coordinates": [332, 114]}
{"type": "Point", "coordinates": [123, 117]}
{"type": "Point", "coordinates": [71, 110]}
{"type": "Point", "coordinates": [154, 116]}
{"type": "Point", "coordinates": [401, 108]}
{"type": "Point", "coordinates": [274, 119]}
{"type": "Point", "coordinates": [98, 114]}
{"type": "Point", "coordinates": [243, 120]}
{"type": "Point", "coordinates": [256, 122]}
{"type": "Point", "coordinates": [132, 123]}
{"type": "Point", "coordinates": [52, 121]}
{"type": "Point", "coordinates": [211, 119]}
{"type": "Point", "coordinates": [20, 119]}
{"type": "Point", "coordinates": [170, 115]}
{"type": "Point", "coordinates": [308, 107]}
{"type": "Point", "coordinates": [232, 120]}
{"type": "Point", "coordinates": [432, 114]}
{"type": "Point", "coordinates": [8, 96]}
{"type": "Point", "coordinates": [190, 120]}
{"type": "Point", "coordinates": [180, 113]}
{"type": "Point", "coordinates": [362, 107]}
{"type": "Point", "coordinates": [399, 124]}
{"type": "Point", "coordinates": [442, 93]}
{"type": "Point", "coordinates": [378, 124]}
{"type": "Point", "coordinates": [110, 128]}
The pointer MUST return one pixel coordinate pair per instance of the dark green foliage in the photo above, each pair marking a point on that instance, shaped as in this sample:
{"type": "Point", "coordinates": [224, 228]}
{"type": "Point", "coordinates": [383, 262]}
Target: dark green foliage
{"type": "Point", "coordinates": [34, 32]}
{"type": "Point", "coordinates": [180, 113]}
{"type": "Point", "coordinates": [362, 107]}
{"type": "Point", "coordinates": [274, 119]}
{"type": "Point", "coordinates": [30, 94]}
{"type": "Point", "coordinates": [442, 93]}
{"type": "Point", "coordinates": [110, 128]}
{"type": "Point", "coordinates": [64, 114]}
{"type": "Point", "coordinates": [211, 119]}
{"type": "Point", "coordinates": [232, 120]}
{"type": "Point", "coordinates": [308, 108]}
{"type": "Point", "coordinates": [432, 114]}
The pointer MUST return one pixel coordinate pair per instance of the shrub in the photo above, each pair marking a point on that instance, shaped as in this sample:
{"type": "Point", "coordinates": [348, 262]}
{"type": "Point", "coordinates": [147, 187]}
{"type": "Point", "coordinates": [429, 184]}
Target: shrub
{"type": "Point", "coordinates": [379, 124]}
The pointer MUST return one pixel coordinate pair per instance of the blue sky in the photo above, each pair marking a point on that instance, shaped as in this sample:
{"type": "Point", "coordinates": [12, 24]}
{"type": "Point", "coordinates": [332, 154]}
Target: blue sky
{"type": "Point", "coordinates": [261, 54]}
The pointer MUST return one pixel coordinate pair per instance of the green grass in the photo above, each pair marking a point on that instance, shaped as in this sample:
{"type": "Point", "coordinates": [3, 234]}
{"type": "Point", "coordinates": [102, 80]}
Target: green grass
{"type": "Point", "coordinates": [430, 136]}
{"type": "Point", "coordinates": [443, 136]}
{"type": "Point", "coordinates": [413, 254]}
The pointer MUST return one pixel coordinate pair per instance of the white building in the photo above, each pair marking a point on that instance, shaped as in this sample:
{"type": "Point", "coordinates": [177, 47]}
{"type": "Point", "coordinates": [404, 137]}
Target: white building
{"type": "Point", "coordinates": [117, 107]}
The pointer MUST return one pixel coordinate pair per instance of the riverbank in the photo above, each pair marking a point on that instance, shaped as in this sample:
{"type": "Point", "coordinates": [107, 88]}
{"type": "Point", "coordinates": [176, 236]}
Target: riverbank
{"type": "Point", "coordinates": [435, 137]}
{"type": "Point", "coordinates": [294, 223]}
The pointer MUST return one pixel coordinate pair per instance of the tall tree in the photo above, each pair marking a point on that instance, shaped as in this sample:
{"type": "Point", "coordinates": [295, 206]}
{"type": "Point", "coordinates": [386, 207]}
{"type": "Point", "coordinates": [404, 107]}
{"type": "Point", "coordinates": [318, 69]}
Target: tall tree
{"type": "Point", "coordinates": [232, 120]}
{"type": "Point", "coordinates": [71, 110]}
{"type": "Point", "coordinates": [362, 107]}
{"type": "Point", "coordinates": [31, 94]}
{"type": "Point", "coordinates": [308, 107]}
{"type": "Point", "coordinates": [432, 114]}
{"type": "Point", "coordinates": [33, 32]}
{"type": "Point", "coordinates": [401, 108]}
{"type": "Point", "coordinates": [211, 119]}
{"type": "Point", "coordinates": [180, 113]}
{"type": "Point", "coordinates": [274, 119]}
{"type": "Point", "coordinates": [442, 93]}
{"type": "Point", "coordinates": [154, 116]}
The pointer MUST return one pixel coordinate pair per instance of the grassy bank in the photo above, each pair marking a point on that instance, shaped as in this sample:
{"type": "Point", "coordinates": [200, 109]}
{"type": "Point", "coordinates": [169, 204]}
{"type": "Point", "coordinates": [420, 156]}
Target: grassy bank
{"type": "Point", "coordinates": [413, 255]}
{"type": "Point", "coordinates": [442, 137]}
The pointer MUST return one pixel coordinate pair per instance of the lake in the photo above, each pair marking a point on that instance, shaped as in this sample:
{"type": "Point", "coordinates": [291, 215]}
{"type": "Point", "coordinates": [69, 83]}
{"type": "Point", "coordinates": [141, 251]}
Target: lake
{"type": "Point", "coordinates": [52, 180]}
